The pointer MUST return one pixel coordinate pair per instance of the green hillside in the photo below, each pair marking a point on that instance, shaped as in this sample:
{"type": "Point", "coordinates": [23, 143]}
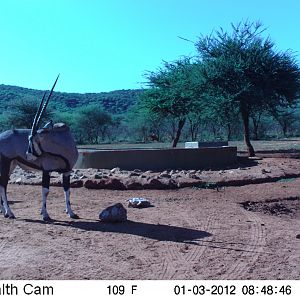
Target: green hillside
{"type": "Point", "coordinates": [115, 102]}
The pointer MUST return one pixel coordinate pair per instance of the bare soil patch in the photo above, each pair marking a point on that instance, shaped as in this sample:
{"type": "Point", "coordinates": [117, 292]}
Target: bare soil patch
{"type": "Point", "coordinates": [289, 207]}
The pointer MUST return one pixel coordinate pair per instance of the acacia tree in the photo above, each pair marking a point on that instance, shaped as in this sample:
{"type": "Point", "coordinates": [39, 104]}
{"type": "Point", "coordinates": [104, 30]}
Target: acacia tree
{"type": "Point", "coordinates": [22, 112]}
{"type": "Point", "coordinates": [244, 68]}
{"type": "Point", "coordinates": [142, 123]}
{"type": "Point", "coordinates": [173, 92]}
{"type": "Point", "coordinates": [91, 123]}
{"type": "Point", "coordinates": [285, 119]}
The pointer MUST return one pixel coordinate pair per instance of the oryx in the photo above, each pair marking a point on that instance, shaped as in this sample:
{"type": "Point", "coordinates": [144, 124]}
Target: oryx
{"type": "Point", "coordinates": [51, 148]}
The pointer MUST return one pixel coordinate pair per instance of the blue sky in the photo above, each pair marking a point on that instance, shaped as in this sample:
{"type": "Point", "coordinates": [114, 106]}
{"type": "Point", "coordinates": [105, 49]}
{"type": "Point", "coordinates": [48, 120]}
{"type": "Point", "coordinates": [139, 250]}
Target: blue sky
{"type": "Point", "coordinates": [104, 45]}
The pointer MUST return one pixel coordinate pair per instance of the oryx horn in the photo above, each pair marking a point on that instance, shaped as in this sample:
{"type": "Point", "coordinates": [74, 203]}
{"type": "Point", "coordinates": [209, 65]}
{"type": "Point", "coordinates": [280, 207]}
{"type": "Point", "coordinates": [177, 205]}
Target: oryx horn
{"type": "Point", "coordinates": [33, 128]}
{"type": "Point", "coordinates": [42, 108]}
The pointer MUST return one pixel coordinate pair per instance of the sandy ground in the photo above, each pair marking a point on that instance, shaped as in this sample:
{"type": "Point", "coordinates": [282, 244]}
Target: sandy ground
{"type": "Point", "coordinates": [189, 233]}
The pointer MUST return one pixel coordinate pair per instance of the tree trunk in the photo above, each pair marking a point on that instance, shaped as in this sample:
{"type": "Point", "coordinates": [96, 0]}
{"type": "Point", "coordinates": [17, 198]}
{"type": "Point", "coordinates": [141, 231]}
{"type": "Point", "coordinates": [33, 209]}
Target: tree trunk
{"type": "Point", "coordinates": [229, 131]}
{"type": "Point", "coordinates": [256, 123]}
{"type": "Point", "coordinates": [245, 117]}
{"type": "Point", "coordinates": [284, 129]}
{"type": "Point", "coordinates": [193, 131]}
{"type": "Point", "coordinates": [214, 129]}
{"type": "Point", "coordinates": [178, 132]}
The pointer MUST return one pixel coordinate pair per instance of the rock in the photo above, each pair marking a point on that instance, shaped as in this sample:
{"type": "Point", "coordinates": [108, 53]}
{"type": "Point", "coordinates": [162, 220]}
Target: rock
{"type": "Point", "coordinates": [110, 183]}
{"type": "Point", "coordinates": [137, 171]}
{"type": "Point", "coordinates": [56, 182]}
{"type": "Point", "coordinates": [94, 184]}
{"type": "Point", "coordinates": [165, 175]}
{"type": "Point", "coordinates": [176, 176]}
{"type": "Point", "coordinates": [76, 184]}
{"type": "Point", "coordinates": [194, 176]}
{"type": "Point", "coordinates": [172, 184]}
{"type": "Point", "coordinates": [18, 180]}
{"type": "Point", "coordinates": [83, 177]}
{"type": "Point", "coordinates": [114, 184]}
{"type": "Point", "coordinates": [29, 176]}
{"type": "Point", "coordinates": [115, 170]}
{"type": "Point", "coordinates": [98, 175]}
{"type": "Point", "coordinates": [131, 174]}
{"type": "Point", "coordinates": [101, 176]}
{"type": "Point", "coordinates": [123, 172]}
{"type": "Point", "coordinates": [153, 183]}
{"type": "Point", "coordinates": [133, 184]}
{"type": "Point", "coordinates": [183, 173]}
{"type": "Point", "coordinates": [114, 213]}
{"type": "Point", "coordinates": [157, 184]}
{"type": "Point", "coordinates": [192, 172]}
{"type": "Point", "coordinates": [138, 203]}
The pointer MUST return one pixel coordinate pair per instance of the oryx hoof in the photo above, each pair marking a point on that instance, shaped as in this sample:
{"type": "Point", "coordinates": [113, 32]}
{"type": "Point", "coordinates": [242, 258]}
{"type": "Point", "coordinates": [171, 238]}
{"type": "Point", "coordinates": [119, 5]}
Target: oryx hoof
{"type": "Point", "coordinates": [46, 218]}
{"type": "Point", "coordinates": [9, 216]}
{"type": "Point", "coordinates": [74, 216]}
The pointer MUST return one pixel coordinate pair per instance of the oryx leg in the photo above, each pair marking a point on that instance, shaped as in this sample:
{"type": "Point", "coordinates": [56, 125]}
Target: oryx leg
{"type": "Point", "coordinates": [45, 192]}
{"type": "Point", "coordinates": [66, 186]}
{"type": "Point", "coordinates": [4, 203]}
{"type": "Point", "coordinates": [4, 177]}
{"type": "Point", "coordinates": [1, 206]}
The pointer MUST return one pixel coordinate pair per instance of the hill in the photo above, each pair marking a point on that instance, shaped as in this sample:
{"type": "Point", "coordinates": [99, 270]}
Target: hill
{"type": "Point", "coordinates": [115, 102]}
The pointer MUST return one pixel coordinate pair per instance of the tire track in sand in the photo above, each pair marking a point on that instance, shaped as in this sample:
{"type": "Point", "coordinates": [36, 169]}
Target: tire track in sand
{"type": "Point", "coordinates": [254, 247]}
{"type": "Point", "coordinates": [193, 256]}
{"type": "Point", "coordinates": [175, 254]}
{"type": "Point", "coordinates": [185, 258]}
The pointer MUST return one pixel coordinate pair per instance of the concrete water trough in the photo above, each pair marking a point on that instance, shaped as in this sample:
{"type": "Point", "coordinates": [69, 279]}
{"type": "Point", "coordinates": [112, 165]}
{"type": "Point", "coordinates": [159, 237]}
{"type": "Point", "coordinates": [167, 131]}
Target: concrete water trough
{"type": "Point", "coordinates": [157, 159]}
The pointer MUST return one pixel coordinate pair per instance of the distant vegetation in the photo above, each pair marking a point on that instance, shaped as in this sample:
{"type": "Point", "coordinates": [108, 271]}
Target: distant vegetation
{"type": "Point", "coordinates": [239, 86]}
{"type": "Point", "coordinates": [114, 102]}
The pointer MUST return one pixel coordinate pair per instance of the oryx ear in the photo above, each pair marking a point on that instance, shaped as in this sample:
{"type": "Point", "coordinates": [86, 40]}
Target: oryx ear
{"type": "Point", "coordinates": [48, 125]}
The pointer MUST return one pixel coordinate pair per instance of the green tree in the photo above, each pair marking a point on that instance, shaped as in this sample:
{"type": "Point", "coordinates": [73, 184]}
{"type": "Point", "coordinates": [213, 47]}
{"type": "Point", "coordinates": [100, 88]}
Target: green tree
{"type": "Point", "coordinates": [173, 92]}
{"type": "Point", "coordinates": [3, 123]}
{"type": "Point", "coordinates": [244, 68]}
{"type": "Point", "coordinates": [285, 118]}
{"type": "Point", "coordinates": [92, 123]}
{"type": "Point", "coordinates": [22, 112]}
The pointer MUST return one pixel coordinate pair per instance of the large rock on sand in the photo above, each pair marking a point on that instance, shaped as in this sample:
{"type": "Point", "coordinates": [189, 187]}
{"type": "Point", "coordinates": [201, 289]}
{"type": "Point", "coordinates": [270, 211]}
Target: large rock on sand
{"type": "Point", "coordinates": [113, 214]}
